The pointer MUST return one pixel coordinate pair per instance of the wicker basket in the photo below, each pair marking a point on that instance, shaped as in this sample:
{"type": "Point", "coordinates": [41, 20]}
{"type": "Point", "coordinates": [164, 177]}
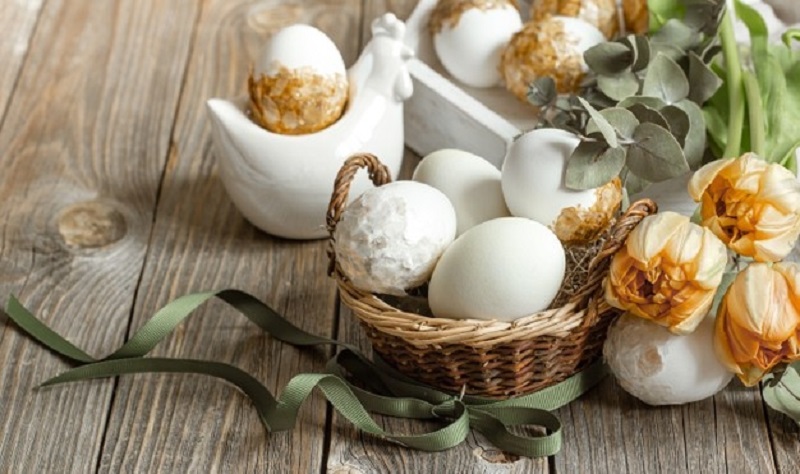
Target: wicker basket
{"type": "Point", "coordinates": [486, 358]}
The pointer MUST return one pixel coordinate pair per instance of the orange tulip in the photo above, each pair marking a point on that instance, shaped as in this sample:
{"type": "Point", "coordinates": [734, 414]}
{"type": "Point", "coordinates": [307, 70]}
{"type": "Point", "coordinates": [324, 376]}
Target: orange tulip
{"type": "Point", "coordinates": [667, 272]}
{"type": "Point", "coordinates": [752, 205]}
{"type": "Point", "coordinates": [758, 321]}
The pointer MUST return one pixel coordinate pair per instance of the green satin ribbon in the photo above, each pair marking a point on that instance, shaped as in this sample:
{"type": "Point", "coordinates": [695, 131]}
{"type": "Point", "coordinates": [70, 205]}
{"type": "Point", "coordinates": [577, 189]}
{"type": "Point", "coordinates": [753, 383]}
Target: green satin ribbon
{"type": "Point", "coordinates": [387, 393]}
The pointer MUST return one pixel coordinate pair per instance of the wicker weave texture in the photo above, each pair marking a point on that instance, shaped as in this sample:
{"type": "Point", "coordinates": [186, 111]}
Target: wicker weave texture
{"type": "Point", "coordinates": [492, 359]}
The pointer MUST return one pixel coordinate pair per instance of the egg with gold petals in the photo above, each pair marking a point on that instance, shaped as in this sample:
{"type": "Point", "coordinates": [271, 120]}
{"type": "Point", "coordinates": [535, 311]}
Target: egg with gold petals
{"type": "Point", "coordinates": [600, 13]}
{"type": "Point", "coordinates": [299, 83]}
{"type": "Point", "coordinates": [552, 47]}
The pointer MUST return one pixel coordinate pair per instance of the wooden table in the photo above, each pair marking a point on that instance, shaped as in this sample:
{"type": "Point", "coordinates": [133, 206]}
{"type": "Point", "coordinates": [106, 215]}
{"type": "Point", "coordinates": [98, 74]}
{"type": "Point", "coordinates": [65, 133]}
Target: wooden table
{"type": "Point", "coordinates": [110, 206]}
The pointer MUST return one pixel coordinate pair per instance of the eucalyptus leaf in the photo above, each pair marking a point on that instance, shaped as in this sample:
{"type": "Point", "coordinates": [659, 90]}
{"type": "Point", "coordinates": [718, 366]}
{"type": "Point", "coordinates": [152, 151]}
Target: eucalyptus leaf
{"type": "Point", "coordinates": [633, 184]}
{"type": "Point", "coordinates": [542, 91]}
{"type": "Point", "coordinates": [703, 83]}
{"type": "Point", "coordinates": [695, 143]}
{"type": "Point", "coordinates": [671, 51]}
{"type": "Point", "coordinates": [651, 102]}
{"type": "Point", "coordinates": [608, 58]}
{"type": "Point", "coordinates": [593, 164]}
{"type": "Point", "coordinates": [645, 114]}
{"type": "Point", "coordinates": [725, 283]}
{"type": "Point", "coordinates": [605, 128]}
{"type": "Point", "coordinates": [623, 121]}
{"type": "Point", "coordinates": [619, 86]}
{"type": "Point", "coordinates": [666, 80]}
{"type": "Point", "coordinates": [655, 154]}
{"type": "Point", "coordinates": [678, 121]}
{"type": "Point", "coordinates": [676, 33]}
{"type": "Point", "coordinates": [643, 53]}
{"type": "Point", "coordinates": [782, 393]}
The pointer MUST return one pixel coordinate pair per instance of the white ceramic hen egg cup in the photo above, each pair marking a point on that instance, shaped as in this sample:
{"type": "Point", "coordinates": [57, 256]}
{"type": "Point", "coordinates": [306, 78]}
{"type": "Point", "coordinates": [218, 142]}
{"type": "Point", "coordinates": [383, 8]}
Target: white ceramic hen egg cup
{"type": "Point", "coordinates": [282, 183]}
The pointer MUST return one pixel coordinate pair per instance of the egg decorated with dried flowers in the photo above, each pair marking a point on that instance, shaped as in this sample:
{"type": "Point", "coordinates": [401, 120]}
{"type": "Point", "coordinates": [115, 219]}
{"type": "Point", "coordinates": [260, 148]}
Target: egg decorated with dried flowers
{"type": "Point", "coordinates": [299, 83]}
{"type": "Point", "coordinates": [552, 47]}
{"type": "Point", "coordinates": [532, 181]}
{"type": "Point", "coordinates": [600, 13]}
{"type": "Point", "coordinates": [469, 36]}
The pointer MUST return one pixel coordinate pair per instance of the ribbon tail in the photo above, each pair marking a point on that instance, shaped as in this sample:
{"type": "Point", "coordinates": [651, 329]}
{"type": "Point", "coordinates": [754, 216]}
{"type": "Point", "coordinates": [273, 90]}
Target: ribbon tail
{"type": "Point", "coordinates": [277, 415]}
{"type": "Point", "coordinates": [494, 424]}
{"type": "Point", "coordinates": [43, 334]}
{"type": "Point", "coordinates": [174, 313]}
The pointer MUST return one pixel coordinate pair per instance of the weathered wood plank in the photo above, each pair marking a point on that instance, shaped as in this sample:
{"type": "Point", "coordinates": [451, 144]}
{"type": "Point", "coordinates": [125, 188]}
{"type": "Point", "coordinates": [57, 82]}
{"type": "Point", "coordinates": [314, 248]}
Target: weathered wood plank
{"type": "Point", "coordinates": [610, 431]}
{"type": "Point", "coordinates": [17, 22]}
{"type": "Point", "coordinates": [200, 241]}
{"type": "Point", "coordinates": [84, 144]}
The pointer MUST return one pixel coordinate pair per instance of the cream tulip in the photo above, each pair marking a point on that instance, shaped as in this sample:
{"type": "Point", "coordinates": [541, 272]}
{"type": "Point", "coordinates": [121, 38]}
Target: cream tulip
{"type": "Point", "coordinates": [752, 205]}
{"type": "Point", "coordinates": [758, 321]}
{"type": "Point", "coordinates": [667, 272]}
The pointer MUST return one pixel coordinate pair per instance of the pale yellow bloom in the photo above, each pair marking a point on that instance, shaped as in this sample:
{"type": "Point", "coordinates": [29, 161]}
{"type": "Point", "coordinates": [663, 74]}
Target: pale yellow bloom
{"type": "Point", "coordinates": [752, 205]}
{"type": "Point", "coordinates": [667, 272]}
{"type": "Point", "coordinates": [758, 321]}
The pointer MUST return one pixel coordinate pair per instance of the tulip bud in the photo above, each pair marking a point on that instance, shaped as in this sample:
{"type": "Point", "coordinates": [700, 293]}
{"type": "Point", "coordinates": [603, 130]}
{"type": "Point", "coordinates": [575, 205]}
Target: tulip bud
{"type": "Point", "coordinates": [667, 272]}
{"type": "Point", "coordinates": [758, 321]}
{"type": "Point", "coordinates": [752, 205]}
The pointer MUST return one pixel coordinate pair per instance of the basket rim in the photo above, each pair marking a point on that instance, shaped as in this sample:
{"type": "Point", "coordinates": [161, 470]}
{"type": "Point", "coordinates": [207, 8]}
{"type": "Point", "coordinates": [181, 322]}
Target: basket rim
{"type": "Point", "coordinates": [580, 312]}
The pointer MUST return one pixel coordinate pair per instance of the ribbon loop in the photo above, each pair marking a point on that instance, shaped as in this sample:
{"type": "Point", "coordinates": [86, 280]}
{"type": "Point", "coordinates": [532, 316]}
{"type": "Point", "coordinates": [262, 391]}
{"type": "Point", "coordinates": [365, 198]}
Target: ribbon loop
{"type": "Point", "coordinates": [380, 388]}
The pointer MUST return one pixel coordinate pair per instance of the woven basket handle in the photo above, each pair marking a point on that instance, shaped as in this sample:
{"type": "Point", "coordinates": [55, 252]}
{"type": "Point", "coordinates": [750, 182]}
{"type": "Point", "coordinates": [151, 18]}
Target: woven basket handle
{"type": "Point", "coordinates": [378, 173]}
{"type": "Point", "coordinates": [592, 291]}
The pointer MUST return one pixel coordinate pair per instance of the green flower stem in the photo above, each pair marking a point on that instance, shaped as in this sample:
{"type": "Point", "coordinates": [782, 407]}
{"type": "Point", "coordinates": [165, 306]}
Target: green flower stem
{"type": "Point", "coordinates": [755, 108]}
{"type": "Point", "coordinates": [736, 102]}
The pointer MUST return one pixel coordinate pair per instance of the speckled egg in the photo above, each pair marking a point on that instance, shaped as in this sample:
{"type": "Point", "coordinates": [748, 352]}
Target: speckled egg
{"type": "Point", "coordinates": [600, 13]}
{"type": "Point", "coordinates": [552, 47]}
{"type": "Point", "coordinates": [390, 238]}
{"type": "Point", "coordinates": [299, 83]}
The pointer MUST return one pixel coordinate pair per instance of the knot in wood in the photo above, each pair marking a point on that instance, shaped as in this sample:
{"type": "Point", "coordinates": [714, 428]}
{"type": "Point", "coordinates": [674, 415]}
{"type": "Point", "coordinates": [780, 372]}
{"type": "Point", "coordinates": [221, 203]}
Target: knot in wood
{"type": "Point", "coordinates": [91, 224]}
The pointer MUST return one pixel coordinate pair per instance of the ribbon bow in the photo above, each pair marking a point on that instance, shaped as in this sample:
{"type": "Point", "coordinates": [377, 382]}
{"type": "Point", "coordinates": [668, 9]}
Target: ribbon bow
{"type": "Point", "coordinates": [385, 391]}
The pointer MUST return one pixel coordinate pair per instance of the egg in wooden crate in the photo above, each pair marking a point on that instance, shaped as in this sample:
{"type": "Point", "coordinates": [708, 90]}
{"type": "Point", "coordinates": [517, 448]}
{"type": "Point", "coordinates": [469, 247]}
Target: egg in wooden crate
{"type": "Point", "coordinates": [551, 47]}
{"type": "Point", "coordinates": [469, 37]}
{"type": "Point", "coordinates": [600, 13]}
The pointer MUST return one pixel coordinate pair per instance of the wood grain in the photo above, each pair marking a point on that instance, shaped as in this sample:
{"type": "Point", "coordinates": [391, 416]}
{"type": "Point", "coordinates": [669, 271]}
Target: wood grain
{"type": "Point", "coordinates": [200, 241]}
{"type": "Point", "coordinates": [17, 22]}
{"type": "Point", "coordinates": [88, 126]}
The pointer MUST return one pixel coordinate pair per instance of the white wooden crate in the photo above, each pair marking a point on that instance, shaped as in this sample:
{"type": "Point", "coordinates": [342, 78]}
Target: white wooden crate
{"type": "Point", "coordinates": [443, 113]}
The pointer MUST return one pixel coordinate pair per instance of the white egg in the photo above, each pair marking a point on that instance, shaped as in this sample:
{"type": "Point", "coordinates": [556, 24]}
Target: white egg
{"type": "Point", "coordinates": [469, 38]}
{"type": "Point", "coordinates": [661, 368]}
{"type": "Point", "coordinates": [389, 239]}
{"type": "Point", "coordinates": [503, 269]}
{"type": "Point", "coordinates": [299, 83]}
{"type": "Point", "coordinates": [533, 186]}
{"type": "Point", "coordinates": [471, 183]}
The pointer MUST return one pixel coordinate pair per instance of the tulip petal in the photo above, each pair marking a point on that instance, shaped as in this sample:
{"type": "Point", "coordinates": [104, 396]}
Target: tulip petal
{"type": "Point", "coordinates": [711, 265]}
{"type": "Point", "coordinates": [654, 233]}
{"type": "Point", "coordinates": [781, 189]}
{"type": "Point", "coordinates": [703, 177]}
{"type": "Point", "coordinates": [721, 344]}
